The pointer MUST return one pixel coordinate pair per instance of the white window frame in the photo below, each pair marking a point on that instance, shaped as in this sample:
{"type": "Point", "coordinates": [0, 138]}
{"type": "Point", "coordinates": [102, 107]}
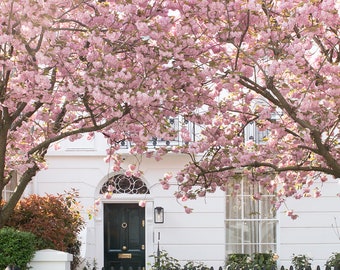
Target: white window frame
{"type": "Point", "coordinates": [238, 238]}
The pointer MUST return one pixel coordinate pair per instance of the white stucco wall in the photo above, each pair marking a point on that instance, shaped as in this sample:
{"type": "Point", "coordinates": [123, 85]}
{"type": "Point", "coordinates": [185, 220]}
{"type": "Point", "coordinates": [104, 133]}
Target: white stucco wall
{"type": "Point", "coordinates": [199, 236]}
{"type": "Point", "coordinates": [314, 232]}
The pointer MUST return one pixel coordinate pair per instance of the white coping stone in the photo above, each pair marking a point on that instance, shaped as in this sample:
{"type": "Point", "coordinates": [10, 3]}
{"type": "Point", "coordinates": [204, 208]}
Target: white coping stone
{"type": "Point", "coordinates": [51, 259]}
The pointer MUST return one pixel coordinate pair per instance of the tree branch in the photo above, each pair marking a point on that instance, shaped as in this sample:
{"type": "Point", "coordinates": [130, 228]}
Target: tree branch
{"type": "Point", "coordinates": [242, 39]}
{"type": "Point", "coordinates": [11, 203]}
{"type": "Point", "coordinates": [97, 127]}
{"type": "Point", "coordinates": [275, 168]}
{"type": "Point", "coordinates": [85, 98]}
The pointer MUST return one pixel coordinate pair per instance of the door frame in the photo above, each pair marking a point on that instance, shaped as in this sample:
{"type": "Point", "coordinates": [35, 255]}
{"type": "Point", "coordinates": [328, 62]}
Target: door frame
{"type": "Point", "coordinates": [125, 224]}
{"type": "Point", "coordinates": [98, 235]}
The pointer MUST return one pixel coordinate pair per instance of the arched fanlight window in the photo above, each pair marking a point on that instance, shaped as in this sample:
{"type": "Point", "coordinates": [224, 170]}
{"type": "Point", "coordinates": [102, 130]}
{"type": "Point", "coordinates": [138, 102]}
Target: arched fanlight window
{"type": "Point", "coordinates": [121, 183]}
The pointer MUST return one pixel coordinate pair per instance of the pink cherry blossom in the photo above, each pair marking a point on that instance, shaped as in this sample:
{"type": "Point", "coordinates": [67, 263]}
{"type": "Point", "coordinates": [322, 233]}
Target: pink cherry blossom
{"type": "Point", "coordinates": [168, 176]}
{"type": "Point", "coordinates": [97, 202]}
{"type": "Point", "coordinates": [291, 214]}
{"type": "Point", "coordinates": [184, 198]}
{"type": "Point", "coordinates": [237, 186]}
{"type": "Point", "coordinates": [165, 185]}
{"type": "Point", "coordinates": [142, 203]}
{"type": "Point", "coordinates": [317, 193]}
{"type": "Point", "coordinates": [188, 210]}
{"type": "Point", "coordinates": [128, 173]}
{"type": "Point", "coordinates": [323, 178]}
{"type": "Point", "coordinates": [256, 196]}
{"type": "Point", "coordinates": [110, 188]}
{"type": "Point", "coordinates": [137, 173]}
{"type": "Point", "coordinates": [108, 195]}
{"type": "Point", "coordinates": [132, 167]}
{"type": "Point", "coordinates": [57, 146]}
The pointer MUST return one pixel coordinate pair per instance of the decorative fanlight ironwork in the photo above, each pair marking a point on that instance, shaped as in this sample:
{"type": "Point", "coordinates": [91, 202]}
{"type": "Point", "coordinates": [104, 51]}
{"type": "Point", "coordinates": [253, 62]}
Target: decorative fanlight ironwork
{"type": "Point", "coordinates": [121, 183]}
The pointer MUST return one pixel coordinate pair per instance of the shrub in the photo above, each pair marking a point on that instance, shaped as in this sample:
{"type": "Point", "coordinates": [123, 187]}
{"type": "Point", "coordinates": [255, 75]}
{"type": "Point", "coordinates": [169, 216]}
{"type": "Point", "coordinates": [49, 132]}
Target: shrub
{"type": "Point", "coordinates": [238, 261]}
{"type": "Point", "coordinates": [165, 262]}
{"type": "Point", "coordinates": [88, 265]}
{"type": "Point", "coordinates": [16, 248]}
{"type": "Point", "coordinates": [55, 220]}
{"type": "Point", "coordinates": [191, 265]}
{"type": "Point", "coordinates": [264, 260]}
{"type": "Point", "coordinates": [301, 261]}
{"type": "Point", "coordinates": [333, 261]}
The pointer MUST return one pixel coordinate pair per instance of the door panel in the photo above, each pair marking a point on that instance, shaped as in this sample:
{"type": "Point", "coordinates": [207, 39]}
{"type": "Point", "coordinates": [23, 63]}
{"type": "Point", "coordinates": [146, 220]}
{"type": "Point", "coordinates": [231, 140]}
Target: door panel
{"type": "Point", "coordinates": [124, 237]}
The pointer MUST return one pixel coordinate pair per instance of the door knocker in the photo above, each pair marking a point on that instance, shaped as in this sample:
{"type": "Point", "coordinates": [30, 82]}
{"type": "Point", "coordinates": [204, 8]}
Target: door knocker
{"type": "Point", "coordinates": [124, 225]}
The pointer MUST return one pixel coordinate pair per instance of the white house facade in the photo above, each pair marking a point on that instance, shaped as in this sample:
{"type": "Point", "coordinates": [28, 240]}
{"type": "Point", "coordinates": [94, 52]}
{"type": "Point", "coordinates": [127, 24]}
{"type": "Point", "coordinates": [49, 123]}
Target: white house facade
{"type": "Point", "coordinates": [122, 231]}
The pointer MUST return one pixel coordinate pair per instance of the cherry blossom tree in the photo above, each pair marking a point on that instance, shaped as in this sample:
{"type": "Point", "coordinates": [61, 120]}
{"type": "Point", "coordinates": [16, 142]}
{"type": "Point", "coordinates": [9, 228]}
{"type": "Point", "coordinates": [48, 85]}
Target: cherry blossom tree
{"type": "Point", "coordinates": [73, 68]}
{"type": "Point", "coordinates": [125, 67]}
{"type": "Point", "coordinates": [276, 67]}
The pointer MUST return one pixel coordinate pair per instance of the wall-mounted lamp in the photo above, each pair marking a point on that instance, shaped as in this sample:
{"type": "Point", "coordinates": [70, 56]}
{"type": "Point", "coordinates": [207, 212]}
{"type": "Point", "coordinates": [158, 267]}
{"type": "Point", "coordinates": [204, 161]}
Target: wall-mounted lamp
{"type": "Point", "coordinates": [159, 214]}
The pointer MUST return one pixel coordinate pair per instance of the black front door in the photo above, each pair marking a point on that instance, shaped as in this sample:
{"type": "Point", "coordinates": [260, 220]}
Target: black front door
{"type": "Point", "coordinates": [124, 237]}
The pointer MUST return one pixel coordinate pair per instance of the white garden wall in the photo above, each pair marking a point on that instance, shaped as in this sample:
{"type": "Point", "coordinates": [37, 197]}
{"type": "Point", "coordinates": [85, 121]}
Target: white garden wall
{"type": "Point", "coordinates": [51, 260]}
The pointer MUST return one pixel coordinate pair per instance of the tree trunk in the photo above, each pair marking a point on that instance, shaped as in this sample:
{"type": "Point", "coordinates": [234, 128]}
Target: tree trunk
{"type": "Point", "coordinates": [7, 209]}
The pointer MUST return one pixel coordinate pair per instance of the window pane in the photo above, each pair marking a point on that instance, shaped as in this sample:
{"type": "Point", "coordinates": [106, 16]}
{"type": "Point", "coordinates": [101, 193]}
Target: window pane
{"type": "Point", "coordinates": [258, 209]}
{"type": "Point", "coordinates": [234, 232]}
{"type": "Point", "coordinates": [248, 189]}
{"type": "Point", "coordinates": [234, 207]}
{"type": "Point", "coordinates": [250, 248]}
{"type": "Point", "coordinates": [266, 248]}
{"type": "Point", "coordinates": [251, 231]}
{"type": "Point", "coordinates": [267, 209]}
{"type": "Point", "coordinates": [268, 231]}
{"type": "Point", "coordinates": [251, 208]}
{"type": "Point", "coordinates": [234, 248]}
